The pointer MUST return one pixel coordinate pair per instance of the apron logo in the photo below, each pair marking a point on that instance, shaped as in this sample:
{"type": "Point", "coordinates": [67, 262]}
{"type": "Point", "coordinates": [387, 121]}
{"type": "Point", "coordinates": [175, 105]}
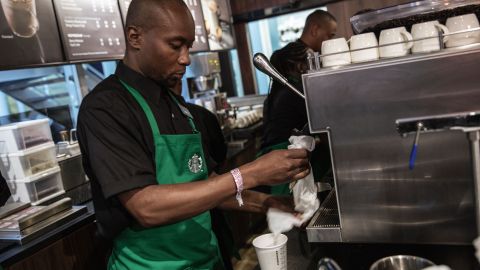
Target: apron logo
{"type": "Point", "coordinates": [195, 164]}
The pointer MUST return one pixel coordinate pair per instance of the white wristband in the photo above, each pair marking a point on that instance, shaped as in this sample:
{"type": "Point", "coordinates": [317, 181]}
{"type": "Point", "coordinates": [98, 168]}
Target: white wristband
{"type": "Point", "coordinates": [237, 177]}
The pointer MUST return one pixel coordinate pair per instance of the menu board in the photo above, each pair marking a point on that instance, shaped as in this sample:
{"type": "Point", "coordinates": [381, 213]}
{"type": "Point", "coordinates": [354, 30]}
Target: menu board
{"type": "Point", "coordinates": [28, 33]}
{"type": "Point", "coordinates": [201, 39]}
{"type": "Point", "coordinates": [91, 29]}
{"type": "Point", "coordinates": [218, 23]}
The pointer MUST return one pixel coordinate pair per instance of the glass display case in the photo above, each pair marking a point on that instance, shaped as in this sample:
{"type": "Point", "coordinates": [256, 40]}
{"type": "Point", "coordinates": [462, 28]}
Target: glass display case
{"type": "Point", "coordinates": [49, 92]}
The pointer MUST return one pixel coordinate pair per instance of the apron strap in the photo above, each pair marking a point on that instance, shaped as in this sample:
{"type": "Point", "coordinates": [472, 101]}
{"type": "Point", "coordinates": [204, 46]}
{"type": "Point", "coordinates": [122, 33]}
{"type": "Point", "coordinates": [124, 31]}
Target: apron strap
{"type": "Point", "coordinates": [146, 108]}
{"type": "Point", "coordinates": [185, 112]}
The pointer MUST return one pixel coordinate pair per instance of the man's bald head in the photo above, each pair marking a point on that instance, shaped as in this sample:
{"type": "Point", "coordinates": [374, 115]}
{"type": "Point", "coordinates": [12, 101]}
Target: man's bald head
{"type": "Point", "coordinates": [319, 26]}
{"type": "Point", "coordinates": [141, 13]}
{"type": "Point", "coordinates": [159, 36]}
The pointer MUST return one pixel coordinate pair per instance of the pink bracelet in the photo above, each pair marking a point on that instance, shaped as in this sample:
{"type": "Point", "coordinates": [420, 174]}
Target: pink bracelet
{"type": "Point", "coordinates": [237, 177]}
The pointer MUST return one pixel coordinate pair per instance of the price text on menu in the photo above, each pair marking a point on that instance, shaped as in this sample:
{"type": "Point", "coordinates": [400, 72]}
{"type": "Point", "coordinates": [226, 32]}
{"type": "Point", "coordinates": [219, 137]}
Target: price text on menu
{"type": "Point", "coordinates": [91, 29]}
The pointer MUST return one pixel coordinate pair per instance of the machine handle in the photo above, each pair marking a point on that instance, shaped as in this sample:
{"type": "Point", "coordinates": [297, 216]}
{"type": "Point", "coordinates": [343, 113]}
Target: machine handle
{"type": "Point", "coordinates": [413, 154]}
{"type": "Point", "coordinates": [261, 62]}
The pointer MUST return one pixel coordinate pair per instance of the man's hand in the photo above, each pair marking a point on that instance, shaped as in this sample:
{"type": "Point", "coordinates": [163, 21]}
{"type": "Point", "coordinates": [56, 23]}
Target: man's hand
{"type": "Point", "coordinates": [276, 167]}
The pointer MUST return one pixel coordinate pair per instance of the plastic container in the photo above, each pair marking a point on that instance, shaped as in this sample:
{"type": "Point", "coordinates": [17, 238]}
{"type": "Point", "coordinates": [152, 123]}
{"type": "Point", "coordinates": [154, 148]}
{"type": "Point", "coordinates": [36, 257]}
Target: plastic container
{"type": "Point", "coordinates": [23, 135]}
{"type": "Point", "coordinates": [37, 188]}
{"type": "Point", "coordinates": [31, 161]}
{"type": "Point", "coordinates": [411, 13]}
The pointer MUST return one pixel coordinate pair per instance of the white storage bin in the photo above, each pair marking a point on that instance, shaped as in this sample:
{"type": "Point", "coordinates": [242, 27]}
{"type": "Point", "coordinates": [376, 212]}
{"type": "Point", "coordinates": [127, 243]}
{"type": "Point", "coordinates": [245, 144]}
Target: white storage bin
{"type": "Point", "coordinates": [37, 188]}
{"type": "Point", "coordinates": [31, 161]}
{"type": "Point", "coordinates": [23, 135]}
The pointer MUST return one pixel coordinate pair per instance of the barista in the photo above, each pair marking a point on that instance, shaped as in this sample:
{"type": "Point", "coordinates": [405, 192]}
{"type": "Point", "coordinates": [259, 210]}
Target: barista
{"type": "Point", "coordinates": [283, 110]}
{"type": "Point", "coordinates": [144, 154]}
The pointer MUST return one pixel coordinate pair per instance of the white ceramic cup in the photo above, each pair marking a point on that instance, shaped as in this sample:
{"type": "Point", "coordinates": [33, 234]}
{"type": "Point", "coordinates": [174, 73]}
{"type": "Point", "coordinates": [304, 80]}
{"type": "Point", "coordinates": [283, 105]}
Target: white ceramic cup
{"type": "Point", "coordinates": [461, 23]}
{"type": "Point", "coordinates": [395, 35]}
{"type": "Point", "coordinates": [426, 30]}
{"type": "Point", "coordinates": [359, 42]}
{"type": "Point", "coordinates": [338, 46]}
{"type": "Point", "coordinates": [271, 252]}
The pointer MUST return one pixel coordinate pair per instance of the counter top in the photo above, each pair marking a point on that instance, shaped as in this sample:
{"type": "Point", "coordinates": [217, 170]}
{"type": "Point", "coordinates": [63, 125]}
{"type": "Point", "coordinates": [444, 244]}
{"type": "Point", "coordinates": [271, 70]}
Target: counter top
{"type": "Point", "coordinates": [11, 252]}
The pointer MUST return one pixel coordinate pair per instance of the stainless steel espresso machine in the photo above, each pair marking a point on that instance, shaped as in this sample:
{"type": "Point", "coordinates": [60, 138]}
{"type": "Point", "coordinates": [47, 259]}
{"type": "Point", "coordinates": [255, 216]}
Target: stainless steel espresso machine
{"type": "Point", "coordinates": [204, 83]}
{"type": "Point", "coordinates": [374, 114]}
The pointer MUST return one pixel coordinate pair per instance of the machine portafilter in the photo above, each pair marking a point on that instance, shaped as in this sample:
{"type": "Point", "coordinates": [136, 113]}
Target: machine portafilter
{"type": "Point", "coordinates": [261, 62]}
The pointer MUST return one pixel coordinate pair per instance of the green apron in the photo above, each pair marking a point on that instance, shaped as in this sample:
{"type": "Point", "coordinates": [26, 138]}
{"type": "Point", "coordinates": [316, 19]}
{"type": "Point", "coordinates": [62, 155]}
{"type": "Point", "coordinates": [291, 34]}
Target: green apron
{"type": "Point", "coordinates": [188, 244]}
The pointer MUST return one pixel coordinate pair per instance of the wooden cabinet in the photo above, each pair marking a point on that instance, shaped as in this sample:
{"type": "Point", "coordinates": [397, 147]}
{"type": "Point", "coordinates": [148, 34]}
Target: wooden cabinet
{"type": "Point", "coordinates": [78, 250]}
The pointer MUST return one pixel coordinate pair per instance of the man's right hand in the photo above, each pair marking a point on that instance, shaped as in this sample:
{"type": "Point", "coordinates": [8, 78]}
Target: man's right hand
{"type": "Point", "coordinates": [277, 167]}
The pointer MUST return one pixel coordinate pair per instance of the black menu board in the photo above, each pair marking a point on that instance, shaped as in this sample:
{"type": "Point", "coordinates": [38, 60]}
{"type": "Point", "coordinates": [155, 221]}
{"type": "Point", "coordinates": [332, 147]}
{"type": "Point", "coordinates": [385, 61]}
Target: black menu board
{"type": "Point", "coordinates": [218, 23]}
{"type": "Point", "coordinates": [201, 39]}
{"type": "Point", "coordinates": [91, 29]}
{"type": "Point", "coordinates": [124, 4]}
{"type": "Point", "coordinates": [28, 33]}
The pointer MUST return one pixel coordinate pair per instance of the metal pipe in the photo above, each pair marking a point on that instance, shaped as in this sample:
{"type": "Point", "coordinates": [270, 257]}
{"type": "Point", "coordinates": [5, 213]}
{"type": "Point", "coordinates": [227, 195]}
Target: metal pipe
{"type": "Point", "coordinates": [261, 62]}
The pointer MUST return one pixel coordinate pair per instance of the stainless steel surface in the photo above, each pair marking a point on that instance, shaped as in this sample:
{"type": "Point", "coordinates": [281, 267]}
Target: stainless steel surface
{"type": "Point", "coordinates": [379, 198]}
{"type": "Point", "coordinates": [474, 137]}
{"type": "Point", "coordinates": [249, 101]}
{"type": "Point", "coordinates": [325, 224]}
{"type": "Point", "coordinates": [48, 224]}
{"type": "Point", "coordinates": [72, 173]}
{"type": "Point", "coordinates": [11, 208]}
{"type": "Point", "coordinates": [466, 122]}
{"type": "Point", "coordinates": [80, 194]}
{"type": "Point", "coordinates": [261, 63]}
{"type": "Point", "coordinates": [203, 64]}
{"type": "Point", "coordinates": [48, 211]}
{"type": "Point", "coordinates": [401, 262]}
{"type": "Point", "coordinates": [204, 83]}
{"type": "Point", "coordinates": [321, 186]}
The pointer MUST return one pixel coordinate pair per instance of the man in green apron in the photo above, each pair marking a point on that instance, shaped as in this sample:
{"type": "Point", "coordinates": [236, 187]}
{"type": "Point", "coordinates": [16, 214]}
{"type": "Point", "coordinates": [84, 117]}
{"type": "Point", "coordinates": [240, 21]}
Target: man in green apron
{"type": "Point", "coordinates": [283, 110]}
{"type": "Point", "coordinates": [144, 155]}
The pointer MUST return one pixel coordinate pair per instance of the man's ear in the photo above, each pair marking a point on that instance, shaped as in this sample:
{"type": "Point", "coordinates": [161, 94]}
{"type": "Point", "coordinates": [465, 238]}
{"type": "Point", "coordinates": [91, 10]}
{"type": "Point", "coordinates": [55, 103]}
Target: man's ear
{"type": "Point", "coordinates": [314, 30]}
{"type": "Point", "coordinates": [135, 37]}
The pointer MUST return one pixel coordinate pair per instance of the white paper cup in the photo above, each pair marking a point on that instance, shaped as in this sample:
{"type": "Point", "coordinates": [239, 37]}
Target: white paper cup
{"type": "Point", "coordinates": [271, 252]}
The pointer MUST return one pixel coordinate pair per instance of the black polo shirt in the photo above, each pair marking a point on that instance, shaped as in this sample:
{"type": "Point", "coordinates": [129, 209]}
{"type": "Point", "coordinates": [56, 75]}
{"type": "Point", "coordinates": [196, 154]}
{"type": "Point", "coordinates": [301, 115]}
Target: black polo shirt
{"type": "Point", "coordinates": [117, 142]}
{"type": "Point", "coordinates": [284, 110]}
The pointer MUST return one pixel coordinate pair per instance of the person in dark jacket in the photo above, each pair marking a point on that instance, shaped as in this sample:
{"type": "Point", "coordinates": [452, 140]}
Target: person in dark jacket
{"type": "Point", "coordinates": [283, 110]}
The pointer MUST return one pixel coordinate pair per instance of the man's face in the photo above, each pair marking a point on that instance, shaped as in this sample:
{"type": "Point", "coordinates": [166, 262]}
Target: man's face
{"type": "Point", "coordinates": [327, 30]}
{"type": "Point", "coordinates": [164, 53]}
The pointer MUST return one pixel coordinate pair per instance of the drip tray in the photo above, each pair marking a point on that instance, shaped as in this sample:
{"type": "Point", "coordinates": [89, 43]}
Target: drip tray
{"type": "Point", "coordinates": [325, 224]}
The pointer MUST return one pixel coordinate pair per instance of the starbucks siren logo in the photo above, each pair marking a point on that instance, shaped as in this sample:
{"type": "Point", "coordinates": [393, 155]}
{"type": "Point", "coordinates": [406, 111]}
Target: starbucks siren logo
{"type": "Point", "coordinates": [195, 164]}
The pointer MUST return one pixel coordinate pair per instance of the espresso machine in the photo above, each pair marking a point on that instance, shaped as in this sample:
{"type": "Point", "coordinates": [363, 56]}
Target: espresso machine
{"type": "Point", "coordinates": [204, 82]}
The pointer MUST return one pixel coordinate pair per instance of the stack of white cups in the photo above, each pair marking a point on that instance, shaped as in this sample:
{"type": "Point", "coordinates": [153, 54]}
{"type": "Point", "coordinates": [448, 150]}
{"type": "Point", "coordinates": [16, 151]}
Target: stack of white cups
{"type": "Point", "coordinates": [398, 42]}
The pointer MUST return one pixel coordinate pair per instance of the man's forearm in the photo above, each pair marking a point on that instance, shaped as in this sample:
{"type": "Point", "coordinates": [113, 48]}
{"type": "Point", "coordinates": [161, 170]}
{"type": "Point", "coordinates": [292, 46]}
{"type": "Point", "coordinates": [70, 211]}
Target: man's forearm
{"type": "Point", "coordinates": [166, 204]}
